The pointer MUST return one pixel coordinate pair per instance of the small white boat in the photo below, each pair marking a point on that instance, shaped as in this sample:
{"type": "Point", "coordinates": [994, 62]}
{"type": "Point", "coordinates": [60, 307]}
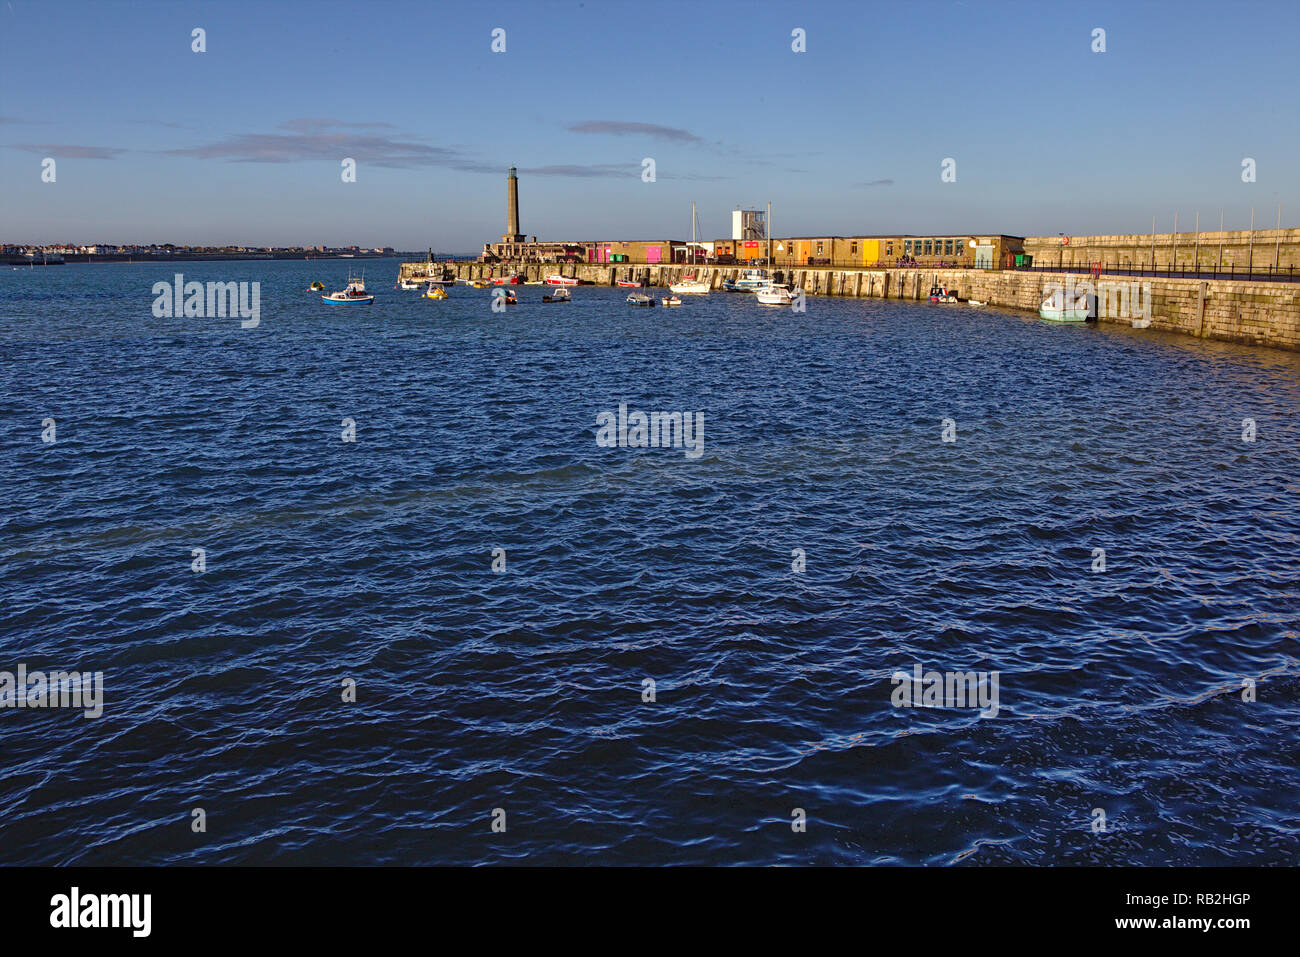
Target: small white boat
{"type": "Point", "coordinates": [407, 284]}
{"type": "Point", "coordinates": [559, 295]}
{"type": "Point", "coordinates": [689, 285]}
{"type": "Point", "coordinates": [354, 294]}
{"type": "Point", "coordinates": [775, 296]}
{"type": "Point", "coordinates": [972, 302]}
{"type": "Point", "coordinates": [558, 280]}
{"type": "Point", "coordinates": [671, 300]}
{"type": "Point", "coordinates": [641, 299]}
{"type": "Point", "coordinates": [1141, 323]}
{"type": "Point", "coordinates": [1061, 308]}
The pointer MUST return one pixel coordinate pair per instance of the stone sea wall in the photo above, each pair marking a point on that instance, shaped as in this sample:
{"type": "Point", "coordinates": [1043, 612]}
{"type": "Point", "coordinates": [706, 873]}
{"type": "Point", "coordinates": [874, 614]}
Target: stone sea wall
{"type": "Point", "coordinates": [1252, 313]}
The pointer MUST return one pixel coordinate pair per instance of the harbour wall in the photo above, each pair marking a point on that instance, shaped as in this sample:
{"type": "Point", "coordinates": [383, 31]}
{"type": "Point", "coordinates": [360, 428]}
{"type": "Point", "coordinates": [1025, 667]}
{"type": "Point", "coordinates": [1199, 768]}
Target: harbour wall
{"type": "Point", "coordinates": [1240, 249]}
{"type": "Point", "coordinates": [1252, 313]}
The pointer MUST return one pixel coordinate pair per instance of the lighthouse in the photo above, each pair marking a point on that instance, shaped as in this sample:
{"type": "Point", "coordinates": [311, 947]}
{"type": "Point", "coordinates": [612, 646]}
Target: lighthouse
{"type": "Point", "coordinates": [512, 209]}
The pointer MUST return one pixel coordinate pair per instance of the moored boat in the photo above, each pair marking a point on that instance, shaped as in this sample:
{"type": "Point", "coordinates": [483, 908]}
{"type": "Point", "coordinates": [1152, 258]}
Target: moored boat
{"type": "Point", "coordinates": [1058, 307]}
{"type": "Point", "coordinates": [407, 284]}
{"type": "Point", "coordinates": [558, 280]}
{"type": "Point", "coordinates": [752, 280]}
{"type": "Point", "coordinates": [641, 299]}
{"type": "Point", "coordinates": [435, 292]}
{"type": "Point", "coordinates": [353, 294]}
{"type": "Point", "coordinates": [671, 300]}
{"type": "Point", "coordinates": [690, 285]}
{"type": "Point", "coordinates": [631, 283]}
{"type": "Point", "coordinates": [560, 295]}
{"type": "Point", "coordinates": [774, 296]}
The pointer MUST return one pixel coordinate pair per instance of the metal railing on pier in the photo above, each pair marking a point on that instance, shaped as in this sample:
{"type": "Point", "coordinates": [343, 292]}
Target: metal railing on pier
{"type": "Point", "coordinates": [1268, 273]}
{"type": "Point", "coordinates": [1240, 273]}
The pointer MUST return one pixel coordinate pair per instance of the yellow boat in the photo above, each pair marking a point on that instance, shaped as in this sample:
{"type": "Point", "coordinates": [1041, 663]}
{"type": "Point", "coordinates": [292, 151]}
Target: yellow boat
{"type": "Point", "coordinates": [435, 292]}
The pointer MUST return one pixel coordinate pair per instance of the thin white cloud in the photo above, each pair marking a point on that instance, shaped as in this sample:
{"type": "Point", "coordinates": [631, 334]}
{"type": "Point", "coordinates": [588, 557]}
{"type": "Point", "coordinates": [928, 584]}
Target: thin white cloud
{"type": "Point", "coordinates": [671, 134]}
{"type": "Point", "coordinates": [71, 151]}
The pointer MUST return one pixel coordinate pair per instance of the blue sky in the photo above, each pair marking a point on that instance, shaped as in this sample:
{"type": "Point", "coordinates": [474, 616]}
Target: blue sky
{"type": "Point", "coordinates": [243, 143]}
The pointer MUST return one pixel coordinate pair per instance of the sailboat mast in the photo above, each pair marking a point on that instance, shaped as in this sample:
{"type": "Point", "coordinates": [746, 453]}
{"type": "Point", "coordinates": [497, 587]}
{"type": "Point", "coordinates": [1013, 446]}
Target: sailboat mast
{"type": "Point", "coordinates": [768, 223]}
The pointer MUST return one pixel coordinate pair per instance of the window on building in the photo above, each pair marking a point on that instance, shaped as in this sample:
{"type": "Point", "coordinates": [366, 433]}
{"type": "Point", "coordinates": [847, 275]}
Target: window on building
{"type": "Point", "coordinates": [929, 247]}
{"type": "Point", "coordinates": [889, 248]}
{"type": "Point", "coordinates": [819, 247]}
{"type": "Point", "coordinates": [947, 247]}
{"type": "Point", "coordinates": [853, 249]}
{"type": "Point", "coordinates": [907, 247]}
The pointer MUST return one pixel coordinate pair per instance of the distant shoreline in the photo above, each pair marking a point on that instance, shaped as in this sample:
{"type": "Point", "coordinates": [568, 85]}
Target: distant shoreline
{"type": "Point", "coordinates": [83, 259]}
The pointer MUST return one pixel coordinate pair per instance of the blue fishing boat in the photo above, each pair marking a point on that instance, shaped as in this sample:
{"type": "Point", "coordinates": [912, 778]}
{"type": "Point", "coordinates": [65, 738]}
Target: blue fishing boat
{"type": "Point", "coordinates": [354, 294]}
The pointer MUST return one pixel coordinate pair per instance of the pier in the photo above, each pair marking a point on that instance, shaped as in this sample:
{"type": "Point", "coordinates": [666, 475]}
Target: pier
{"type": "Point", "coordinates": [1249, 312]}
{"type": "Point", "coordinates": [1220, 285]}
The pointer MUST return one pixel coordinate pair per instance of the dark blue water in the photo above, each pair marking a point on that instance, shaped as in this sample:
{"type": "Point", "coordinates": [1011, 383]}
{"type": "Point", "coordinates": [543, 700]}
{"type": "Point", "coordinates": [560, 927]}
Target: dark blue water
{"type": "Point", "coordinates": [372, 561]}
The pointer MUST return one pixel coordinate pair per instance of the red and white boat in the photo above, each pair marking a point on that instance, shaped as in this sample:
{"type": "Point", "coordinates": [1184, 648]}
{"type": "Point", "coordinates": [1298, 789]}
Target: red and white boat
{"type": "Point", "coordinates": [558, 280]}
{"type": "Point", "coordinates": [630, 283]}
{"type": "Point", "coordinates": [514, 279]}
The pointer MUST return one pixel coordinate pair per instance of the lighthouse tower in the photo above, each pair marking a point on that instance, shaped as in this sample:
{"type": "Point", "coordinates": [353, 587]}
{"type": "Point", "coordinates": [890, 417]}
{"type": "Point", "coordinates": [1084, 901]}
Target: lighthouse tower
{"type": "Point", "coordinates": [512, 209]}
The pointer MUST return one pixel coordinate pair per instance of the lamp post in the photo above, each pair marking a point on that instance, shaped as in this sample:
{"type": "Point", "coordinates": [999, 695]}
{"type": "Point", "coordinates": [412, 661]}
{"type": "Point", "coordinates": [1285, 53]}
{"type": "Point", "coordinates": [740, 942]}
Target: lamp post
{"type": "Point", "coordinates": [1250, 250]}
{"type": "Point", "coordinates": [1220, 266]}
{"type": "Point", "coordinates": [1197, 255]}
{"type": "Point", "coordinates": [1277, 244]}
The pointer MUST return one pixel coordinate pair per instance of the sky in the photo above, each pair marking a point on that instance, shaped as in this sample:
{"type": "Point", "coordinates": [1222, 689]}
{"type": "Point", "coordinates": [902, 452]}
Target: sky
{"type": "Point", "coordinates": [244, 143]}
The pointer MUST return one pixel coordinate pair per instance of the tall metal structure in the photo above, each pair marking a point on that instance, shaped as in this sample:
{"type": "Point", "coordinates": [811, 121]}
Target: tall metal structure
{"type": "Point", "coordinates": [748, 225]}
